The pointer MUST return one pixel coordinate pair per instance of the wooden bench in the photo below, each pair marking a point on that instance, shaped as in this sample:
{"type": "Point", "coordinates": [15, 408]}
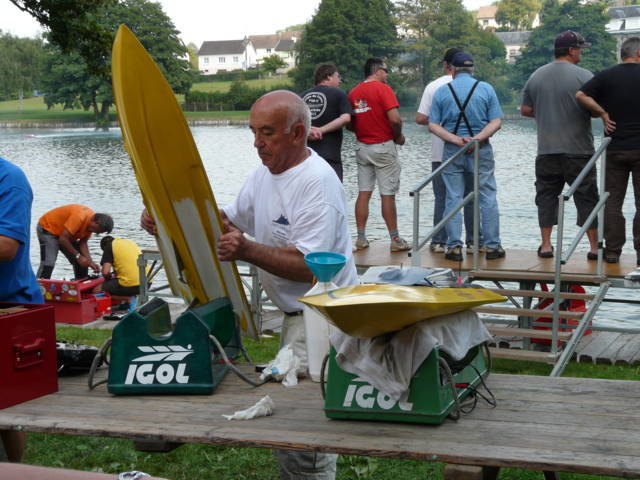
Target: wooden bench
{"type": "Point", "coordinates": [541, 423]}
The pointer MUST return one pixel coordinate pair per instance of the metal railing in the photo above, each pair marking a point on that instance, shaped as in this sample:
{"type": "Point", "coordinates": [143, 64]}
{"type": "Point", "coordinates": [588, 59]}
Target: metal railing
{"type": "Point", "coordinates": [473, 195]}
{"type": "Point", "coordinates": [563, 256]}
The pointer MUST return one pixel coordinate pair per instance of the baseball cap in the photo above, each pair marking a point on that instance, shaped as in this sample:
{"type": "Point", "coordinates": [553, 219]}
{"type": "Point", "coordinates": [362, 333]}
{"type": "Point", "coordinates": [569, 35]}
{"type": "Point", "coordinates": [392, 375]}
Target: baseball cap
{"type": "Point", "coordinates": [569, 38]}
{"type": "Point", "coordinates": [462, 59]}
{"type": "Point", "coordinates": [448, 55]}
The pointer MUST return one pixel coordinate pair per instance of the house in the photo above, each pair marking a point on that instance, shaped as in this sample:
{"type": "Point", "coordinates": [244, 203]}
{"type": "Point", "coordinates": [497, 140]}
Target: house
{"type": "Point", "coordinates": [486, 17]}
{"type": "Point", "coordinates": [514, 42]}
{"type": "Point", "coordinates": [226, 55]}
{"type": "Point", "coordinates": [286, 50]}
{"type": "Point", "coordinates": [279, 43]}
{"type": "Point", "coordinates": [624, 22]}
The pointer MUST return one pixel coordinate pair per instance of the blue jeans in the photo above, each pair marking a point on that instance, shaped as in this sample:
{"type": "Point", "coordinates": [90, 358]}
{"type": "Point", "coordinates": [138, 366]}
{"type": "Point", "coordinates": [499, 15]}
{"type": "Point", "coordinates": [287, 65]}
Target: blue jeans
{"type": "Point", "coordinates": [439, 193]}
{"type": "Point", "coordinates": [454, 178]}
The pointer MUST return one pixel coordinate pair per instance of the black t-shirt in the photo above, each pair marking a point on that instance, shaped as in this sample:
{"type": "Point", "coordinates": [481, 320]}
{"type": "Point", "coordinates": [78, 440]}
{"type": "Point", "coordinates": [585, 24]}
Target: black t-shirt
{"type": "Point", "coordinates": [327, 104]}
{"type": "Point", "coordinates": [615, 90]}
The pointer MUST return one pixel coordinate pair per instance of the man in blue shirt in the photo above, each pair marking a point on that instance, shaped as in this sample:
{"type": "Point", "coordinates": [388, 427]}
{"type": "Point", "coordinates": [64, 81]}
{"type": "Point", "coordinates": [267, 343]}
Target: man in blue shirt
{"type": "Point", "coordinates": [17, 281]}
{"type": "Point", "coordinates": [465, 110]}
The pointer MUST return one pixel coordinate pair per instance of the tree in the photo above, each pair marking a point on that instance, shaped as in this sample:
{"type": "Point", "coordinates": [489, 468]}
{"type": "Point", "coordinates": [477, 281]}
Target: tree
{"type": "Point", "coordinates": [429, 27]}
{"type": "Point", "coordinates": [272, 63]}
{"type": "Point", "coordinates": [70, 83]}
{"type": "Point", "coordinates": [346, 33]}
{"type": "Point", "coordinates": [517, 14]}
{"type": "Point", "coordinates": [192, 50]}
{"type": "Point", "coordinates": [74, 25]}
{"type": "Point", "coordinates": [21, 65]}
{"type": "Point", "coordinates": [589, 20]}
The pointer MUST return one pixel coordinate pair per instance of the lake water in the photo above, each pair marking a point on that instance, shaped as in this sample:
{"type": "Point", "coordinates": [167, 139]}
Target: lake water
{"type": "Point", "coordinates": [92, 168]}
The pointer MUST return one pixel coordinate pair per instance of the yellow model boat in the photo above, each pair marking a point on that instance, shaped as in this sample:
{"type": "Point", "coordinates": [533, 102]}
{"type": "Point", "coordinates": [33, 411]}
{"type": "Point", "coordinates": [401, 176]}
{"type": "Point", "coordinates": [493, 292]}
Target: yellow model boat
{"type": "Point", "coordinates": [173, 182]}
{"type": "Point", "coordinates": [372, 310]}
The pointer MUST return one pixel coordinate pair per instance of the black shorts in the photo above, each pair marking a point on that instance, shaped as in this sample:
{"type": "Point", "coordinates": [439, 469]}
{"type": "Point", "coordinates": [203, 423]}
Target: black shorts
{"type": "Point", "coordinates": [552, 172]}
{"type": "Point", "coordinates": [114, 288]}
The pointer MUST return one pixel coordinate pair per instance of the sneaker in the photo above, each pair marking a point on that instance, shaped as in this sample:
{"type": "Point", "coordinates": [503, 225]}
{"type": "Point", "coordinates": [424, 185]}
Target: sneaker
{"type": "Point", "coordinates": [437, 247]}
{"type": "Point", "coordinates": [454, 253]}
{"type": "Point", "coordinates": [362, 244]}
{"type": "Point", "coordinates": [399, 244]}
{"type": "Point", "coordinates": [494, 253]}
{"type": "Point", "coordinates": [470, 248]}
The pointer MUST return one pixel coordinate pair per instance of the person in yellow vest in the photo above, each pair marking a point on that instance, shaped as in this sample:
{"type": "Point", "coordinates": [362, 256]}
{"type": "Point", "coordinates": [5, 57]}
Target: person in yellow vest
{"type": "Point", "coordinates": [119, 267]}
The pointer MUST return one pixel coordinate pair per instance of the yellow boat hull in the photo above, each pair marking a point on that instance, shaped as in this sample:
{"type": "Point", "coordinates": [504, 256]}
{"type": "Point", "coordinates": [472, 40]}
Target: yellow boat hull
{"type": "Point", "coordinates": [173, 181]}
{"type": "Point", "coordinates": [372, 310]}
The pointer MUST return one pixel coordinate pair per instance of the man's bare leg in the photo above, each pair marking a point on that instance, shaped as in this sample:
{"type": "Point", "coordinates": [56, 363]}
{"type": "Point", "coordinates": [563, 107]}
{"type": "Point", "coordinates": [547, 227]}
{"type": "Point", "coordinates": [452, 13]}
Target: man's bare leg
{"type": "Point", "coordinates": [362, 209]}
{"type": "Point", "coordinates": [545, 233]}
{"type": "Point", "coordinates": [592, 235]}
{"type": "Point", "coordinates": [389, 213]}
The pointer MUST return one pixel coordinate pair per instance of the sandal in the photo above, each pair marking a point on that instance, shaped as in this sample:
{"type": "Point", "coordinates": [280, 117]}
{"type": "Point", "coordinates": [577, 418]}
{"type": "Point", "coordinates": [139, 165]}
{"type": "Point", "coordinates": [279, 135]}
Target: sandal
{"type": "Point", "coordinates": [545, 254]}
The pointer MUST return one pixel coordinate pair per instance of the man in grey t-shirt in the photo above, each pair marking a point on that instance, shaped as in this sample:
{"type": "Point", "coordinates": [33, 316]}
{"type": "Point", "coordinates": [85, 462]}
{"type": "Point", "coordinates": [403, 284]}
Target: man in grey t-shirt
{"type": "Point", "coordinates": [565, 142]}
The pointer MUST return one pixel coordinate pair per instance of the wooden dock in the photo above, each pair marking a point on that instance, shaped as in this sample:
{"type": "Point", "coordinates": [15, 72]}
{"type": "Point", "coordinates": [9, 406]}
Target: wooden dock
{"type": "Point", "coordinates": [521, 261]}
{"type": "Point", "coordinates": [578, 425]}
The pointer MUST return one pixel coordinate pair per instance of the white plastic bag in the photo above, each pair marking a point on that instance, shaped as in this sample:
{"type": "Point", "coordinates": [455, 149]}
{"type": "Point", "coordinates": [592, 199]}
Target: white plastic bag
{"type": "Point", "coordinates": [284, 368]}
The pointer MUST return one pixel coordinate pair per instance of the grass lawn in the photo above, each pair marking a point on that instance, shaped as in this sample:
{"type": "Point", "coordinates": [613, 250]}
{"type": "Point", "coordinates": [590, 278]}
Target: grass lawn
{"type": "Point", "coordinates": [204, 462]}
{"type": "Point", "coordinates": [224, 86]}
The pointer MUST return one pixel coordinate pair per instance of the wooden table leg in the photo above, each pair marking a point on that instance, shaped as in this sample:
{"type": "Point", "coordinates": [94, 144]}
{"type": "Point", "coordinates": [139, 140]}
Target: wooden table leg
{"type": "Point", "coordinates": [470, 472]}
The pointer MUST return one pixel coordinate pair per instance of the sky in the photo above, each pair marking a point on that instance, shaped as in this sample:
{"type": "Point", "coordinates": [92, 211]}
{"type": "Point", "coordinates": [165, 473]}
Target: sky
{"type": "Point", "coordinates": [200, 20]}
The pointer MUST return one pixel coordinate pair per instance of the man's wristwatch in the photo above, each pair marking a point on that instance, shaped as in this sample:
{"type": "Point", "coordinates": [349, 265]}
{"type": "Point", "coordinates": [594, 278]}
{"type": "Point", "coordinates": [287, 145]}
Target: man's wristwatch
{"type": "Point", "coordinates": [78, 255]}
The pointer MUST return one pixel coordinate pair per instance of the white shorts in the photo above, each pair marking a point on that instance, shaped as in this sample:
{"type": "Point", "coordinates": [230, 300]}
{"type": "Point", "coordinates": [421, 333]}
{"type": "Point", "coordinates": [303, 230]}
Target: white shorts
{"type": "Point", "coordinates": [378, 161]}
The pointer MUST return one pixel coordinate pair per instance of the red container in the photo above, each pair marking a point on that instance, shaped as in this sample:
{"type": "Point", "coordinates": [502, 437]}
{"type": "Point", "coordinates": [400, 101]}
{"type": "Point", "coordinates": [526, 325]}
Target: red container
{"type": "Point", "coordinates": [68, 290]}
{"type": "Point", "coordinates": [28, 357]}
{"type": "Point", "coordinates": [75, 313]}
{"type": "Point", "coordinates": [103, 303]}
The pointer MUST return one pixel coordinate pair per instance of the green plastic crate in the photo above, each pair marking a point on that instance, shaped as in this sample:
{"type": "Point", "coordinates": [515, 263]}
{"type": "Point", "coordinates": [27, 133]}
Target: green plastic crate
{"type": "Point", "coordinates": [430, 398]}
{"type": "Point", "coordinates": [147, 357]}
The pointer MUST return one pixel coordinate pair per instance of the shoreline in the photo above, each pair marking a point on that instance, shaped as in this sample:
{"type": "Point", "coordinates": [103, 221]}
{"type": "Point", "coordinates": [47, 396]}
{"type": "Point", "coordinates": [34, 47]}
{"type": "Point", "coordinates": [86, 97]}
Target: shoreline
{"type": "Point", "coordinates": [196, 122]}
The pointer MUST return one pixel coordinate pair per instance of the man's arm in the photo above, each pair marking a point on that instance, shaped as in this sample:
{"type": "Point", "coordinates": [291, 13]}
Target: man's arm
{"type": "Point", "coordinates": [445, 135]}
{"type": "Point", "coordinates": [106, 270]}
{"type": "Point", "coordinates": [527, 111]}
{"type": "Point", "coordinates": [286, 262]}
{"type": "Point", "coordinates": [489, 129]}
{"type": "Point", "coordinates": [596, 111]}
{"type": "Point", "coordinates": [396, 125]}
{"type": "Point", "coordinates": [336, 124]}
{"type": "Point", "coordinates": [8, 248]}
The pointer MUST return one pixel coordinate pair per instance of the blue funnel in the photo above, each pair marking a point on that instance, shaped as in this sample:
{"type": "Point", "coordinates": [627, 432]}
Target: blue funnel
{"type": "Point", "coordinates": [324, 265]}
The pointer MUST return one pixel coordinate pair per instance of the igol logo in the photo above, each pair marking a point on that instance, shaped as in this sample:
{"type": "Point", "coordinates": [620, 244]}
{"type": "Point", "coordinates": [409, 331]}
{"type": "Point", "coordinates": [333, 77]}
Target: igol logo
{"type": "Point", "coordinates": [366, 396]}
{"type": "Point", "coordinates": [151, 368]}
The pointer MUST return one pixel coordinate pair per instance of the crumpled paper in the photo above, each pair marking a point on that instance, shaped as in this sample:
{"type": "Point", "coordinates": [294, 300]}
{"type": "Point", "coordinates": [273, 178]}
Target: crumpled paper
{"type": "Point", "coordinates": [263, 408]}
{"type": "Point", "coordinates": [285, 368]}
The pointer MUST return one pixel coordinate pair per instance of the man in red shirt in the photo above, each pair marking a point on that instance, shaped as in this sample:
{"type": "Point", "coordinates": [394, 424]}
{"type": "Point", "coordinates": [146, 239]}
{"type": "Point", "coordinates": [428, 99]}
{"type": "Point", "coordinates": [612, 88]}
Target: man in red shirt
{"type": "Point", "coordinates": [68, 228]}
{"type": "Point", "coordinates": [378, 128]}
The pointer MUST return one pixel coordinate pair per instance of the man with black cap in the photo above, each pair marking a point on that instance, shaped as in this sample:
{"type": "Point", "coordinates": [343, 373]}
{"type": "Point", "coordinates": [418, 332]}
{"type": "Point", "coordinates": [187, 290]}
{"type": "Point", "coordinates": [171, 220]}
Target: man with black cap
{"type": "Point", "coordinates": [439, 241]}
{"type": "Point", "coordinates": [465, 110]}
{"type": "Point", "coordinates": [565, 142]}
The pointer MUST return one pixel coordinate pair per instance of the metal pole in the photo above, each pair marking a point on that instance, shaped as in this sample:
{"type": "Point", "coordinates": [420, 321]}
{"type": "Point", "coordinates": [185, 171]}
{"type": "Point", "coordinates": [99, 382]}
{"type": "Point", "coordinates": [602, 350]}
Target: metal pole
{"type": "Point", "coordinates": [603, 175]}
{"type": "Point", "coordinates": [476, 205]}
{"type": "Point", "coordinates": [557, 273]}
{"type": "Point", "coordinates": [415, 250]}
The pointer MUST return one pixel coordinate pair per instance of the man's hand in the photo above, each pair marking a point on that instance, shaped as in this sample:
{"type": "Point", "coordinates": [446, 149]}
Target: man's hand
{"type": "Point", "coordinates": [232, 244]}
{"type": "Point", "coordinates": [315, 134]}
{"type": "Point", "coordinates": [95, 267]}
{"type": "Point", "coordinates": [147, 223]}
{"type": "Point", "coordinates": [609, 125]}
{"type": "Point", "coordinates": [399, 140]}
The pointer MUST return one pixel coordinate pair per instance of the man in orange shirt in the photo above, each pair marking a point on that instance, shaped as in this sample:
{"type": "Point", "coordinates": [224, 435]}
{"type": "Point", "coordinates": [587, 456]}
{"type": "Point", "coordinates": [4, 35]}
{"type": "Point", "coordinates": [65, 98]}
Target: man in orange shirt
{"type": "Point", "coordinates": [68, 228]}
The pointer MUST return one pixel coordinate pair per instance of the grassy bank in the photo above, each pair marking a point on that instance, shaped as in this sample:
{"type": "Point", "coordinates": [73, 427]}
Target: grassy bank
{"type": "Point", "coordinates": [203, 462]}
{"type": "Point", "coordinates": [224, 86]}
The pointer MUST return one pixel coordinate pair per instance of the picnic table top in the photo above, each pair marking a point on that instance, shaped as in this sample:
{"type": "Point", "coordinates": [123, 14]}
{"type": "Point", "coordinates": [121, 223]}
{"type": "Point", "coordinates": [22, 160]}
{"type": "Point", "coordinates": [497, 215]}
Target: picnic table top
{"type": "Point", "coordinates": [542, 423]}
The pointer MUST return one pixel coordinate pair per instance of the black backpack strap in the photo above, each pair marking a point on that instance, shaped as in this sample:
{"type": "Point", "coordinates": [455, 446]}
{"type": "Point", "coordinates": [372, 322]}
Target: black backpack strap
{"type": "Point", "coordinates": [462, 107]}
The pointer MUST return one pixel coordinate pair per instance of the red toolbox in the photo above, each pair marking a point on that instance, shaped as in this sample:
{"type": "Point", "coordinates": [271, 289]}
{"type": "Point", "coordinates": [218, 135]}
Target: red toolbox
{"type": "Point", "coordinates": [28, 357]}
{"type": "Point", "coordinates": [72, 299]}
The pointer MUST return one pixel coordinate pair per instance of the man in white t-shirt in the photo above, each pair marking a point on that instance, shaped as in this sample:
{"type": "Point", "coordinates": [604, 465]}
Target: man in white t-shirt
{"type": "Point", "coordinates": [439, 241]}
{"type": "Point", "coordinates": [292, 204]}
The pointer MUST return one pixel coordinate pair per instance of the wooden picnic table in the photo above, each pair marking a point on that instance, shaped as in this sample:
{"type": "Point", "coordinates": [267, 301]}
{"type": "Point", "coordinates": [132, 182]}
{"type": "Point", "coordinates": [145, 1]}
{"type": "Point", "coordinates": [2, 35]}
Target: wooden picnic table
{"type": "Point", "coordinates": [542, 423]}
